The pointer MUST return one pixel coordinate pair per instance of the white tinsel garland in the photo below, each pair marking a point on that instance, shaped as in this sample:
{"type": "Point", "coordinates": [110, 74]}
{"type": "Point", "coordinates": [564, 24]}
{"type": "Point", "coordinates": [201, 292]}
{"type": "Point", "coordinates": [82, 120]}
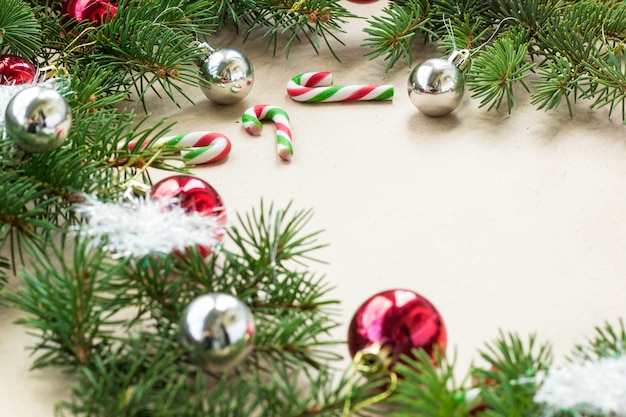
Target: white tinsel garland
{"type": "Point", "coordinates": [593, 387]}
{"type": "Point", "coordinates": [7, 92]}
{"type": "Point", "coordinates": [139, 227]}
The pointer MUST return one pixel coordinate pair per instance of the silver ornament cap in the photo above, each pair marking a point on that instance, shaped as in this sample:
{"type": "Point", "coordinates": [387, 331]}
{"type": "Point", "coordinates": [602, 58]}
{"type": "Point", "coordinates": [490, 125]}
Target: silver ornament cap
{"type": "Point", "coordinates": [436, 86]}
{"type": "Point", "coordinates": [38, 119]}
{"type": "Point", "coordinates": [218, 329]}
{"type": "Point", "coordinates": [227, 76]}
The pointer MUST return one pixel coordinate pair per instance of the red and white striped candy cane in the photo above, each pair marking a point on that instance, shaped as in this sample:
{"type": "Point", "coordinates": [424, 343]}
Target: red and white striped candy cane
{"type": "Point", "coordinates": [202, 147]}
{"type": "Point", "coordinates": [252, 117]}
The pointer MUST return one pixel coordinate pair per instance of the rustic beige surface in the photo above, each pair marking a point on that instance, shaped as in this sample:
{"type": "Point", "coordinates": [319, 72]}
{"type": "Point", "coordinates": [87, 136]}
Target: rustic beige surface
{"type": "Point", "coordinates": [511, 222]}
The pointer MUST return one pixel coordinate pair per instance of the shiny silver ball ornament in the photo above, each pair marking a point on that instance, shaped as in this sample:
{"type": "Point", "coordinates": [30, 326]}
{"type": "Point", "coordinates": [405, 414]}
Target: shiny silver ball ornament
{"type": "Point", "coordinates": [227, 76]}
{"type": "Point", "coordinates": [38, 119]}
{"type": "Point", "coordinates": [218, 329]}
{"type": "Point", "coordinates": [436, 86]}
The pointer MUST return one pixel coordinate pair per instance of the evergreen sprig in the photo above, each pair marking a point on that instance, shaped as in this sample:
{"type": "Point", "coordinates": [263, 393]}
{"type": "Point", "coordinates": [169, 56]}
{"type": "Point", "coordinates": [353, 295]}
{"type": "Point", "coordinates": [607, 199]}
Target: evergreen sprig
{"type": "Point", "coordinates": [427, 387]}
{"type": "Point", "coordinates": [494, 73]}
{"type": "Point", "coordinates": [61, 292]}
{"type": "Point", "coordinates": [20, 32]}
{"type": "Point", "coordinates": [75, 302]}
{"type": "Point", "coordinates": [316, 21]}
{"type": "Point", "coordinates": [392, 34]}
{"type": "Point", "coordinates": [115, 323]}
{"type": "Point", "coordinates": [577, 47]}
{"type": "Point", "coordinates": [608, 341]}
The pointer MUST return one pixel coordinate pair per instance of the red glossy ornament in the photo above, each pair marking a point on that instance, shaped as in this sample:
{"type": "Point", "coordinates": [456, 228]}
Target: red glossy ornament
{"type": "Point", "coordinates": [96, 11]}
{"type": "Point", "coordinates": [16, 70]}
{"type": "Point", "coordinates": [193, 195]}
{"type": "Point", "coordinates": [396, 321]}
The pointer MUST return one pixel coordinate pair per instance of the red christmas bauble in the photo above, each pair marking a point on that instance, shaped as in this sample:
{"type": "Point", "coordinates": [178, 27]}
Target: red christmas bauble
{"type": "Point", "coordinates": [16, 70]}
{"type": "Point", "coordinates": [398, 320]}
{"type": "Point", "coordinates": [193, 195]}
{"type": "Point", "coordinates": [96, 11]}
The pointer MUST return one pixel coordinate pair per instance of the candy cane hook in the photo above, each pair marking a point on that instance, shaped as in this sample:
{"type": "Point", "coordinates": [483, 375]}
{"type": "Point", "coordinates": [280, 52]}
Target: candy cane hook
{"type": "Point", "coordinates": [252, 117]}
{"type": "Point", "coordinates": [200, 148]}
{"type": "Point", "coordinates": [316, 87]}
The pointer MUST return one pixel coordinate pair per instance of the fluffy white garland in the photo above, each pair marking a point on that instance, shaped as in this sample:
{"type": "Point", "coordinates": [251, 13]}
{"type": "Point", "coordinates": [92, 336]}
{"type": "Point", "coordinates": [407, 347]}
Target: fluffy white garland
{"type": "Point", "coordinates": [593, 387]}
{"type": "Point", "coordinates": [7, 92]}
{"type": "Point", "coordinates": [138, 227]}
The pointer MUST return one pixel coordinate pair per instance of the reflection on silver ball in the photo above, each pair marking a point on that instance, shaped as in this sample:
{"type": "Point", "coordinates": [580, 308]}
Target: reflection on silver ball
{"type": "Point", "coordinates": [436, 87]}
{"type": "Point", "coordinates": [218, 330]}
{"type": "Point", "coordinates": [227, 75]}
{"type": "Point", "coordinates": [38, 119]}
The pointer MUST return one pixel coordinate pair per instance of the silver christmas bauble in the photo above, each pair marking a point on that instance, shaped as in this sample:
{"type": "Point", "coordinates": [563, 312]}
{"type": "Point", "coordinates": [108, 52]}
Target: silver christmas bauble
{"type": "Point", "coordinates": [38, 119]}
{"type": "Point", "coordinates": [227, 75]}
{"type": "Point", "coordinates": [218, 329]}
{"type": "Point", "coordinates": [436, 87]}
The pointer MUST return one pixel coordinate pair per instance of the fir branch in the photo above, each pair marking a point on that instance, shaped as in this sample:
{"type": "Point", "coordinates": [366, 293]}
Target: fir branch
{"type": "Point", "coordinates": [459, 10]}
{"type": "Point", "coordinates": [236, 11]}
{"type": "Point", "coordinates": [54, 27]}
{"type": "Point", "coordinates": [426, 387]}
{"type": "Point", "coordinates": [270, 237]}
{"type": "Point", "coordinates": [145, 46]}
{"type": "Point", "coordinates": [26, 205]}
{"type": "Point", "coordinates": [88, 88]}
{"type": "Point", "coordinates": [61, 298]}
{"type": "Point", "coordinates": [467, 34]}
{"type": "Point", "coordinates": [494, 72]}
{"type": "Point", "coordinates": [607, 81]}
{"type": "Point", "coordinates": [20, 33]}
{"type": "Point", "coordinates": [393, 33]}
{"type": "Point", "coordinates": [608, 341]}
{"type": "Point", "coordinates": [302, 392]}
{"type": "Point", "coordinates": [153, 58]}
{"type": "Point", "coordinates": [314, 20]}
{"type": "Point", "coordinates": [293, 336]}
{"type": "Point", "coordinates": [531, 14]}
{"type": "Point", "coordinates": [146, 377]}
{"type": "Point", "coordinates": [508, 386]}
{"type": "Point", "coordinates": [511, 358]}
{"type": "Point", "coordinates": [558, 81]}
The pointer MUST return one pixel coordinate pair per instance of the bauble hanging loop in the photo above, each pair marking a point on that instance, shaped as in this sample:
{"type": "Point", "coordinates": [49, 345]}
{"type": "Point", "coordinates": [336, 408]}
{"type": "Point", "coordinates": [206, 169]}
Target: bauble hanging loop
{"type": "Point", "coordinates": [436, 86]}
{"type": "Point", "coordinates": [460, 58]}
{"type": "Point", "coordinates": [227, 74]}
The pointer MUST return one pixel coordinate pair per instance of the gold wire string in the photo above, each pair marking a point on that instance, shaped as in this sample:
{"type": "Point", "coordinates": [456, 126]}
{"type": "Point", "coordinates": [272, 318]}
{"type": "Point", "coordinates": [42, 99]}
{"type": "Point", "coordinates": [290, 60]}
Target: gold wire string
{"type": "Point", "coordinates": [296, 6]}
{"type": "Point", "coordinates": [52, 71]}
{"type": "Point", "coordinates": [393, 384]}
{"type": "Point", "coordinates": [358, 364]}
{"type": "Point", "coordinates": [68, 50]}
{"type": "Point", "coordinates": [140, 172]}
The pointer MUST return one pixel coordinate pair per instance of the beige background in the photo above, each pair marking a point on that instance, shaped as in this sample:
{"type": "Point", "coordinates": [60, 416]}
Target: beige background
{"type": "Point", "coordinates": [512, 222]}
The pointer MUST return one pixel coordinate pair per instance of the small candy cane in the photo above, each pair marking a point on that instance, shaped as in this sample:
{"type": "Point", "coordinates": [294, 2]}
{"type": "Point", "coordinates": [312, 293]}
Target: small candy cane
{"type": "Point", "coordinates": [201, 147]}
{"type": "Point", "coordinates": [252, 117]}
{"type": "Point", "coordinates": [315, 87]}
